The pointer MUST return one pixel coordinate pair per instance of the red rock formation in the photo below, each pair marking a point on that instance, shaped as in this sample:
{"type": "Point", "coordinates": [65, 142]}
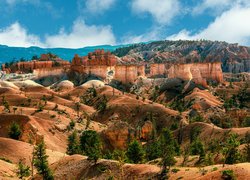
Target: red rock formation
{"type": "Point", "coordinates": [99, 63]}
{"type": "Point", "coordinates": [157, 69]}
{"type": "Point", "coordinates": [98, 57]}
{"type": "Point", "coordinates": [128, 73]}
{"type": "Point", "coordinates": [30, 66]}
{"type": "Point", "coordinates": [198, 72]}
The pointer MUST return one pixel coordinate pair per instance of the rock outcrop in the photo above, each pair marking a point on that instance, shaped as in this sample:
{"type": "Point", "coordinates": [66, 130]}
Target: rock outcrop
{"type": "Point", "coordinates": [45, 62]}
{"type": "Point", "coordinates": [200, 73]}
{"type": "Point", "coordinates": [234, 58]}
{"type": "Point", "coordinates": [157, 69]}
{"type": "Point", "coordinates": [105, 65]}
{"type": "Point", "coordinates": [128, 73]}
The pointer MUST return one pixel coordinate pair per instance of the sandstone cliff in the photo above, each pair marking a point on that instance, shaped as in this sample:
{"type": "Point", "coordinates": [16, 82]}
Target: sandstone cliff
{"type": "Point", "coordinates": [234, 58]}
{"type": "Point", "coordinates": [198, 72]}
{"type": "Point", "coordinates": [128, 73]}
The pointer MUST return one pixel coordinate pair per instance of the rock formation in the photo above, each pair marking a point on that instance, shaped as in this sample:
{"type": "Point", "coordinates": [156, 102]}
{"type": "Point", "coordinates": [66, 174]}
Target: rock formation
{"type": "Point", "coordinates": [157, 69]}
{"type": "Point", "coordinates": [128, 73]}
{"type": "Point", "coordinates": [105, 65]}
{"type": "Point", "coordinates": [198, 72]}
{"type": "Point", "coordinates": [45, 62]}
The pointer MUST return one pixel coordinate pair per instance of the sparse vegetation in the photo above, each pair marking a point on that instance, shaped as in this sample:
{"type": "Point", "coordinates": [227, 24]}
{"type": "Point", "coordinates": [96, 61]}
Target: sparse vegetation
{"type": "Point", "coordinates": [15, 131]}
{"type": "Point", "coordinates": [73, 144]}
{"type": "Point", "coordinates": [228, 175]}
{"type": "Point", "coordinates": [135, 152]}
{"type": "Point", "coordinates": [91, 145]}
{"type": "Point", "coordinates": [23, 170]}
{"type": "Point", "coordinates": [41, 161]}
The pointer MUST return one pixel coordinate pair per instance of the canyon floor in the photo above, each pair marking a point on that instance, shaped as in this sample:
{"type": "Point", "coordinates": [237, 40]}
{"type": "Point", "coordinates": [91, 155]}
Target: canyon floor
{"type": "Point", "coordinates": [46, 113]}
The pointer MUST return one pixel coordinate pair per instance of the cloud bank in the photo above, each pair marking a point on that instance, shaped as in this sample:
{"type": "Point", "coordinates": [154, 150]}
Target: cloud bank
{"type": "Point", "coordinates": [163, 11]}
{"type": "Point", "coordinates": [232, 26]}
{"type": "Point", "coordinates": [80, 35]}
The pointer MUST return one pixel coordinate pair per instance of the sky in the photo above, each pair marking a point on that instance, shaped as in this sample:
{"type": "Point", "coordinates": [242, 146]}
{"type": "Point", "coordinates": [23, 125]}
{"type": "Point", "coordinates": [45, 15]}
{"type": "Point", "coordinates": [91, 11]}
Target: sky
{"type": "Point", "coordinates": [81, 23]}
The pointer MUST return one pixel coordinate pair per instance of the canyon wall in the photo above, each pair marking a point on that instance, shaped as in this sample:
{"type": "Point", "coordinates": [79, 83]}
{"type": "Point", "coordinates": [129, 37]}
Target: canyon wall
{"type": "Point", "coordinates": [128, 73]}
{"type": "Point", "coordinates": [157, 69]}
{"type": "Point", "coordinates": [56, 71]}
{"type": "Point", "coordinates": [96, 58]}
{"type": "Point", "coordinates": [30, 66]}
{"type": "Point", "coordinates": [98, 70]}
{"type": "Point", "coordinates": [198, 72]}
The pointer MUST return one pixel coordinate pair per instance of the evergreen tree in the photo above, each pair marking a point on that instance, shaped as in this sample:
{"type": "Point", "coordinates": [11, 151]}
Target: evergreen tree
{"type": "Point", "coordinates": [135, 152]}
{"type": "Point", "coordinates": [247, 147]}
{"type": "Point", "coordinates": [91, 145]}
{"type": "Point", "coordinates": [153, 150]}
{"type": "Point", "coordinates": [73, 144]}
{"type": "Point", "coordinates": [230, 149]}
{"type": "Point", "coordinates": [197, 148]}
{"type": "Point", "coordinates": [14, 131]}
{"type": "Point", "coordinates": [23, 170]}
{"type": "Point", "coordinates": [167, 142]}
{"type": "Point", "coordinates": [41, 162]}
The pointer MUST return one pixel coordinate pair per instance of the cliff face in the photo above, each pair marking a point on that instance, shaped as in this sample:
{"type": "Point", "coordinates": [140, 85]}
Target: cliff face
{"type": "Point", "coordinates": [98, 57]}
{"type": "Point", "coordinates": [30, 66]}
{"type": "Point", "coordinates": [198, 72]}
{"type": "Point", "coordinates": [98, 70]}
{"type": "Point", "coordinates": [104, 65]}
{"type": "Point", "coordinates": [128, 73]}
{"type": "Point", "coordinates": [40, 73]}
{"type": "Point", "coordinates": [234, 58]}
{"type": "Point", "coordinates": [157, 69]}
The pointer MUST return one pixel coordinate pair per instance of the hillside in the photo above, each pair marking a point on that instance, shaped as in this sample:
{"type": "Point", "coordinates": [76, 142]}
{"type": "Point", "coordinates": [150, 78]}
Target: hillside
{"type": "Point", "coordinates": [234, 58]}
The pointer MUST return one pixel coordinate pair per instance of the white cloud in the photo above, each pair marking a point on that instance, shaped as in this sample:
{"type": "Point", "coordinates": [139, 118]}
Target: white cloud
{"type": "Point", "coordinates": [218, 6]}
{"type": "Point", "coordinates": [152, 35]}
{"type": "Point", "coordinates": [82, 35]}
{"type": "Point", "coordinates": [16, 35]}
{"type": "Point", "coordinates": [232, 26]}
{"type": "Point", "coordinates": [15, 2]}
{"type": "Point", "coordinates": [94, 6]}
{"type": "Point", "coordinates": [163, 11]}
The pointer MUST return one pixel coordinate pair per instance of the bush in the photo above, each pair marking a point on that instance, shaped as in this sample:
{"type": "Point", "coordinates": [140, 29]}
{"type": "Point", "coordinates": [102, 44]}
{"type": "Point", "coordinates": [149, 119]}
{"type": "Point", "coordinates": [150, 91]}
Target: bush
{"type": "Point", "coordinates": [41, 162]}
{"type": "Point", "coordinates": [194, 133]}
{"type": "Point", "coordinates": [91, 145]}
{"type": "Point", "coordinates": [228, 175]}
{"type": "Point", "coordinates": [197, 148]}
{"type": "Point", "coordinates": [135, 153]}
{"type": "Point", "coordinates": [175, 170]}
{"type": "Point", "coordinates": [246, 122]}
{"type": "Point", "coordinates": [23, 171]}
{"type": "Point", "coordinates": [73, 144]}
{"type": "Point", "coordinates": [197, 118]}
{"type": "Point", "coordinates": [14, 131]}
{"type": "Point", "coordinates": [6, 160]}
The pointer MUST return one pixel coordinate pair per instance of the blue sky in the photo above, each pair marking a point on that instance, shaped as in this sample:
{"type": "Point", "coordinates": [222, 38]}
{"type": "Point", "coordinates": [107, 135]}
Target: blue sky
{"type": "Point", "coordinates": [80, 23]}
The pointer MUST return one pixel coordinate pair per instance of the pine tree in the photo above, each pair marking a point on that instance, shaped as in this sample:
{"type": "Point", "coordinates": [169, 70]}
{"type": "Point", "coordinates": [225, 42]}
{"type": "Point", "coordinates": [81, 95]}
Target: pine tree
{"type": "Point", "coordinates": [135, 153]}
{"type": "Point", "coordinates": [41, 162]}
{"type": "Point", "coordinates": [167, 142]}
{"type": "Point", "coordinates": [73, 144]}
{"type": "Point", "coordinates": [230, 149]}
{"type": "Point", "coordinates": [91, 145]}
{"type": "Point", "coordinates": [197, 148]}
{"type": "Point", "coordinates": [14, 131]}
{"type": "Point", "coordinates": [23, 170]}
{"type": "Point", "coordinates": [153, 150]}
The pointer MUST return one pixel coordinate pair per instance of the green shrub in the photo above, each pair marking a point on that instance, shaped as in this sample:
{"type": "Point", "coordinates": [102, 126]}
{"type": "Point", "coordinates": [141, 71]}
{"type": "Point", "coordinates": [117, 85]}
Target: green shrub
{"type": "Point", "coordinates": [175, 170]}
{"type": "Point", "coordinates": [5, 159]}
{"type": "Point", "coordinates": [15, 131]}
{"type": "Point", "coordinates": [228, 175]}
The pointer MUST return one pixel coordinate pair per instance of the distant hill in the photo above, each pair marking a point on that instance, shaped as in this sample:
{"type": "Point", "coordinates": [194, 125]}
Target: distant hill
{"type": "Point", "coordinates": [8, 54]}
{"type": "Point", "coordinates": [234, 58]}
